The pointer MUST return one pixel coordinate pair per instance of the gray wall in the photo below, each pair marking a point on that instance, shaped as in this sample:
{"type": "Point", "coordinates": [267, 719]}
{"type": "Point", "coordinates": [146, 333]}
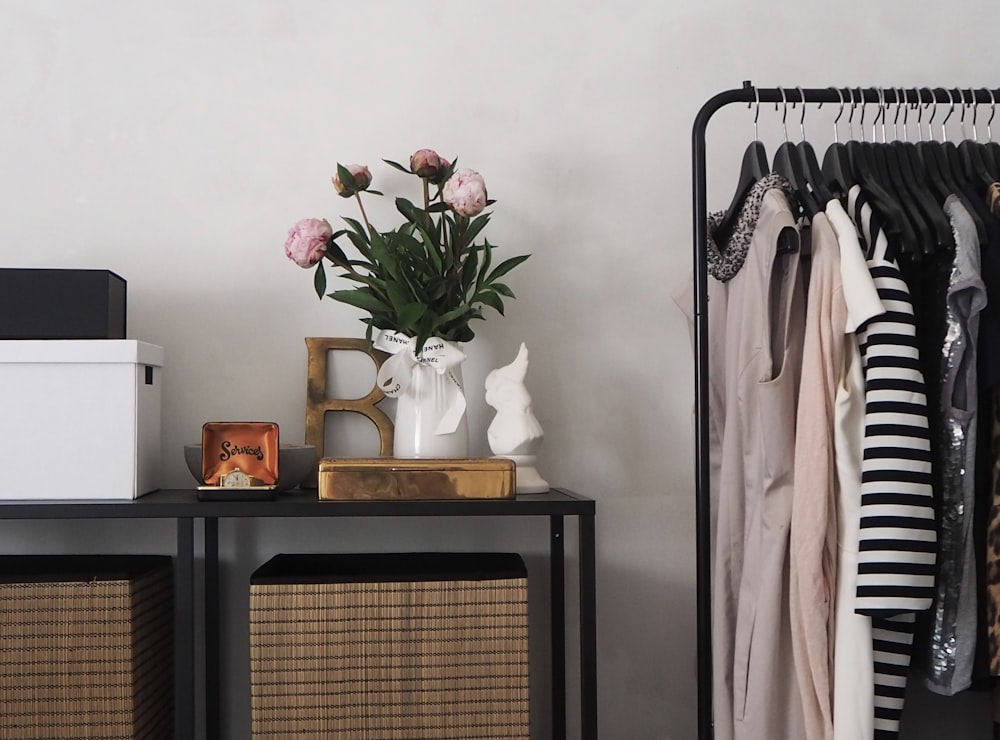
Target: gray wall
{"type": "Point", "coordinates": [176, 142]}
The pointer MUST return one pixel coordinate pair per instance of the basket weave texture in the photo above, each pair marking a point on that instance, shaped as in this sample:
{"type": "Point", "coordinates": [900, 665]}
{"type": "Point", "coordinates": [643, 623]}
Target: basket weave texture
{"type": "Point", "coordinates": [405, 647]}
{"type": "Point", "coordinates": [86, 648]}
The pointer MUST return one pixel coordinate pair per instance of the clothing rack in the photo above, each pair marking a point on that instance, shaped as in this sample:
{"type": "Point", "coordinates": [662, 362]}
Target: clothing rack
{"type": "Point", "coordinates": [750, 95]}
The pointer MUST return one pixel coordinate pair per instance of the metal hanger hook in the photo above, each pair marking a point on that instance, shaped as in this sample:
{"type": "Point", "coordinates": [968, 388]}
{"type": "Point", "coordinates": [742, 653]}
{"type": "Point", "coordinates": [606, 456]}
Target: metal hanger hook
{"type": "Point", "coordinates": [951, 109]}
{"type": "Point", "coordinates": [836, 137]}
{"type": "Point", "coordinates": [756, 112]}
{"type": "Point", "coordinates": [850, 115]}
{"type": "Point", "coordinates": [784, 112]}
{"type": "Point", "coordinates": [802, 118]}
{"type": "Point", "coordinates": [880, 114]}
{"type": "Point", "coordinates": [900, 106]}
{"type": "Point", "coordinates": [974, 104]}
{"type": "Point", "coordinates": [993, 112]}
{"type": "Point", "coordinates": [964, 105]}
{"type": "Point", "coordinates": [928, 104]}
{"type": "Point", "coordinates": [861, 118]}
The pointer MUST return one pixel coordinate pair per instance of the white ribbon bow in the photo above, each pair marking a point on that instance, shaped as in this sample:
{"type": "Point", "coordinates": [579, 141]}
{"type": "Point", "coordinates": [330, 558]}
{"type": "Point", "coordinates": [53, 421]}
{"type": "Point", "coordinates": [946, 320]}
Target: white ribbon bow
{"type": "Point", "coordinates": [396, 373]}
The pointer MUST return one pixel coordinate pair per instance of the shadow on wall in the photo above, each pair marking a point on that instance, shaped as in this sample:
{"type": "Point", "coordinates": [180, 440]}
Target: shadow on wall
{"type": "Point", "coordinates": [651, 656]}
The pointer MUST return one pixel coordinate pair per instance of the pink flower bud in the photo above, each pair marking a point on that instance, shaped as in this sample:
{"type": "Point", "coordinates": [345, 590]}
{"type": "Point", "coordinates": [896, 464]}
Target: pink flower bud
{"type": "Point", "coordinates": [442, 172]}
{"type": "Point", "coordinates": [465, 192]}
{"type": "Point", "coordinates": [362, 179]}
{"type": "Point", "coordinates": [306, 243]}
{"type": "Point", "coordinates": [425, 163]}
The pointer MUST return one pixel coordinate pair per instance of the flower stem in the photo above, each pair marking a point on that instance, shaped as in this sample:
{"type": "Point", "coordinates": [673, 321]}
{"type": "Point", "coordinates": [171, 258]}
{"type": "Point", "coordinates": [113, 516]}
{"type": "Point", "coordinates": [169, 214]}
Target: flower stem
{"type": "Point", "coordinates": [363, 214]}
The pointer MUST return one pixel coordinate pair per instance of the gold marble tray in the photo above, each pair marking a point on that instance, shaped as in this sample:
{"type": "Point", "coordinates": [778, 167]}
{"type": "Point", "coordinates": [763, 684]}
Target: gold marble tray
{"type": "Point", "coordinates": [391, 479]}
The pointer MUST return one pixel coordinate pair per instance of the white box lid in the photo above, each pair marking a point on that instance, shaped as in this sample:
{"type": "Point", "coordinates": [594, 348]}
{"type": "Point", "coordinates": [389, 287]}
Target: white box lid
{"type": "Point", "coordinates": [66, 351]}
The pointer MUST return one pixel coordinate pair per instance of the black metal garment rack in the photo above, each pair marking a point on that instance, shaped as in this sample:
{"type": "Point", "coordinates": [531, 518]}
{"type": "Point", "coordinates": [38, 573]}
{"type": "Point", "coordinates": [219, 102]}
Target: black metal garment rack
{"type": "Point", "coordinates": [749, 95]}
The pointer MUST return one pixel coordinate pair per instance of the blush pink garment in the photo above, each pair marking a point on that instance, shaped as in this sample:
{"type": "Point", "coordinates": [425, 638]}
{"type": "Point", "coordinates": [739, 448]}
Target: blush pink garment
{"type": "Point", "coordinates": [813, 537]}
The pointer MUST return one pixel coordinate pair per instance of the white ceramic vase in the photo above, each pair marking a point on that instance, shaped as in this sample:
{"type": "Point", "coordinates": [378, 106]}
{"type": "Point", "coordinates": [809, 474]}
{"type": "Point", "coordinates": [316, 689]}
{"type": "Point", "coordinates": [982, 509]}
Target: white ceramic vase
{"type": "Point", "coordinates": [419, 409]}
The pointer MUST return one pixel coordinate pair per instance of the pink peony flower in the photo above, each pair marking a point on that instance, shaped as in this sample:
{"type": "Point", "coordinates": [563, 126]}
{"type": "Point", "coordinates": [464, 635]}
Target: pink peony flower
{"type": "Point", "coordinates": [465, 192]}
{"type": "Point", "coordinates": [425, 163]}
{"type": "Point", "coordinates": [306, 243]}
{"type": "Point", "coordinates": [362, 179]}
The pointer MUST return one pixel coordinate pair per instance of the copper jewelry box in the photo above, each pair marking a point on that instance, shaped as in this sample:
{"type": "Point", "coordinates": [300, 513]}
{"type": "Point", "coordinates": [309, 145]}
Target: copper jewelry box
{"type": "Point", "coordinates": [239, 457]}
{"type": "Point", "coordinates": [392, 479]}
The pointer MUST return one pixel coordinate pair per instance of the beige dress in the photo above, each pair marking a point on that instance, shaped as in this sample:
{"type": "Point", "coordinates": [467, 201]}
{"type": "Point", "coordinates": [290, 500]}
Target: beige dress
{"type": "Point", "coordinates": [755, 693]}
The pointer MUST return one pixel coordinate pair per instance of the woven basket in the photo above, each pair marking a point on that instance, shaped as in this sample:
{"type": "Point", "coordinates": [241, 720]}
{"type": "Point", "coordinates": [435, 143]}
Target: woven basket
{"type": "Point", "coordinates": [390, 647]}
{"type": "Point", "coordinates": [86, 647]}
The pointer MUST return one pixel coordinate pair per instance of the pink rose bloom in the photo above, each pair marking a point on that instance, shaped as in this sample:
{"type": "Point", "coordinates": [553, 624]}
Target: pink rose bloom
{"type": "Point", "coordinates": [425, 163]}
{"type": "Point", "coordinates": [362, 179]}
{"type": "Point", "coordinates": [306, 243]}
{"type": "Point", "coordinates": [465, 192]}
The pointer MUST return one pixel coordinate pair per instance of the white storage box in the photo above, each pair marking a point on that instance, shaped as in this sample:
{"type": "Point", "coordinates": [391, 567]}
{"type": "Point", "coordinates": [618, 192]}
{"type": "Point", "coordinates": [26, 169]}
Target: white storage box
{"type": "Point", "coordinates": [79, 418]}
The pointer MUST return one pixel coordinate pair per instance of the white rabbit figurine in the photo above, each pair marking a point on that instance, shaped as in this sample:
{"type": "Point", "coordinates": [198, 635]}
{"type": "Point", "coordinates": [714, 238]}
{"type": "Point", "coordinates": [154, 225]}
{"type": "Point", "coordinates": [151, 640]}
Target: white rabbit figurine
{"type": "Point", "coordinates": [515, 432]}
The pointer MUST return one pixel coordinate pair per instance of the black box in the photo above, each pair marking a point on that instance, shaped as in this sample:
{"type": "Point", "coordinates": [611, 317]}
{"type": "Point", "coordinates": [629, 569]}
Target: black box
{"type": "Point", "coordinates": [61, 304]}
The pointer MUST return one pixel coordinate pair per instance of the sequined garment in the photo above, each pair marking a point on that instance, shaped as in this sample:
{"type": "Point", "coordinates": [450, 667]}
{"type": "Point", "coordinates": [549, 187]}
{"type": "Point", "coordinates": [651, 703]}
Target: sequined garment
{"type": "Point", "coordinates": [947, 667]}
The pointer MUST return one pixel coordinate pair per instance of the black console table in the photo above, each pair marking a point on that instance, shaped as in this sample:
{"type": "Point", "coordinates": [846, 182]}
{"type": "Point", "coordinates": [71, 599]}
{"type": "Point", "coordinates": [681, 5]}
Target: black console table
{"type": "Point", "coordinates": [184, 508]}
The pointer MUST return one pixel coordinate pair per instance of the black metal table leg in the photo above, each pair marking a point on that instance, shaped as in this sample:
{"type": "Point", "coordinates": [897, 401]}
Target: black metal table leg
{"type": "Point", "coordinates": [588, 628]}
{"type": "Point", "coordinates": [558, 637]}
{"type": "Point", "coordinates": [184, 647]}
{"type": "Point", "coordinates": [212, 673]}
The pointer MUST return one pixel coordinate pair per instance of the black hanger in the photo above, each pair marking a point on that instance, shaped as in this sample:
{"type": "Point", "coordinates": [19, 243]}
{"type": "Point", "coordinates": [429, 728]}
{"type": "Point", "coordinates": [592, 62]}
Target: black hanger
{"type": "Point", "coordinates": [913, 174]}
{"type": "Point", "coordinates": [964, 190]}
{"type": "Point", "coordinates": [862, 162]}
{"type": "Point", "coordinates": [991, 150]}
{"type": "Point", "coordinates": [890, 176]}
{"type": "Point", "coordinates": [809, 162]}
{"type": "Point", "coordinates": [836, 170]}
{"type": "Point", "coordinates": [755, 166]}
{"type": "Point", "coordinates": [973, 153]}
{"type": "Point", "coordinates": [788, 164]}
{"type": "Point", "coordinates": [927, 201]}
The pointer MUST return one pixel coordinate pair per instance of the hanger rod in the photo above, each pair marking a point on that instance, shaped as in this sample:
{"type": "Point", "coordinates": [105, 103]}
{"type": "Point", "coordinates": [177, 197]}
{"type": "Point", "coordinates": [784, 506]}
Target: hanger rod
{"type": "Point", "coordinates": [748, 94]}
{"type": "Point", "coordinates": [889, 95]}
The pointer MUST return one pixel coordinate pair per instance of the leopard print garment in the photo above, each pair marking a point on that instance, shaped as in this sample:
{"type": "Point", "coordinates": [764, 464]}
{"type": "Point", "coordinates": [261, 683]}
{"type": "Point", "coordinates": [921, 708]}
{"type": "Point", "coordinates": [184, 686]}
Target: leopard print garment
{"type": "Point", "coordinates": [993, 548]}
{"type": "Point", "coordinates": [724, 263]}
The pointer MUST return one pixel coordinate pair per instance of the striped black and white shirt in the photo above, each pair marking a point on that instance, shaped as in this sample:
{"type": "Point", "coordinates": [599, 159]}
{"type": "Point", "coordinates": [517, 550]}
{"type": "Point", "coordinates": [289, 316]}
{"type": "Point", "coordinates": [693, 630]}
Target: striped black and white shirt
{"type": "Point", "coordinates": [898, 536]}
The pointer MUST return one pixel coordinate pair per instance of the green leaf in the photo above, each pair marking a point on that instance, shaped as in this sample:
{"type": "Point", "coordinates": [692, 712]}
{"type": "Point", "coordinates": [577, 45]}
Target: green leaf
{"type": "Point", "coordinates": [346, 178]}
{"type": "Point", "coordinates": [359, 298]}
{"type": "Point", "coordinates": [356, 226]}
{"type": "Point", "coordinates": [399, 296]}
{"type": "Point", "coordinates": [438, 207]}
{"type": "Point", "coordinates": [410, 212]}
{"type": "Point", "coordinates": [361, 244]}
{"type": "Point", "coordinates": [506, 266]}
{"type": "Point", "coordinates": [374, 192]}
{"type": "Point", "coordinates": [382, 254]}
{"type": "Point", "coordinates": [463, 334]}
{"type": "Point", "coordinates": [455, 313]}
{"type": "Point", "coordinates": [398, 166]}
{"type": "Point", "coordinates": [503, 290]}
{"type": "Point", "coordinates": [484, 268]}
{"type": "Point", "coordinates": [475, 226]}
{"type": "Point", "coordinates": [335, 253]}
{"type": "Point", "coordinates": [410, 315]}
{"type": "Point", "coordinates": [319, 279]}
{"type": "Point", "coordinates": [491, 299]}
{"type": "Point", "coordinates": [469, 272]}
